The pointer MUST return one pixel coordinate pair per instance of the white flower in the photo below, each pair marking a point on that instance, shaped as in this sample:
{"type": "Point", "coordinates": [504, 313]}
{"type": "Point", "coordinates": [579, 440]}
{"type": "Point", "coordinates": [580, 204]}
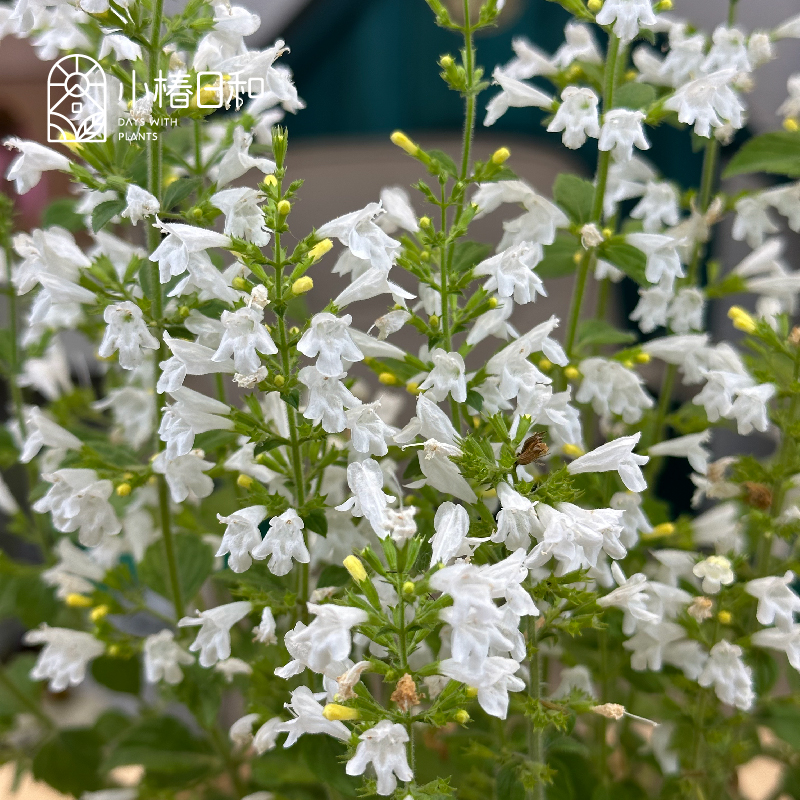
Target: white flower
{"type": "Point", "coordinates": [778, 639]}
{"type": "Point", "coordinates": [658, 207]}
{"type": "Point", "coordinates": [721, 525]}
{"type": "Point", "coordinates": [728, 51]}
{"type": "Point", "coordinates": [430, 422]}
{"type": "Point", "coordinates": [264, 632]}
{"type": "Point", "coordinates": [265, 739]}
{"type": "Point", "coordinates": [190, 414]}
{"type": "Point", "coordinates": [391, 322]}
{"type": "Point", "coordinates": [384, 746]}
{"type": "Point", "coordinates": [529, 61]}
{"type": "Point", "coordinates": [446, 377]}
{"type": "Point", "coordinates": [237, 160]}
{"type": "Point", "coordinates": [361, 235]}
{"type": "Point", "coordinates": [244, 218]}
{"type": "Point", "coordinates": [283, 542]}
{"type": "Point", "coordinates": [716, 572]}
{"type": "Point", "coordinates": [621, 131]}
{"type": "Point", "coordinates": [184, 475]}
{"type": "Point", "coordinates": [328, 338]}
{"type": "Point", "coordinates": [65, 656]}
{"type": "Point", "coordinates": [75, 573]}
{"type": "Point", "coordinates": [777, 603]}
{"type": "Point", "coordinates": [214, 639]}
{"type": "Point", "coordinates": [365, 479]}
{"type": "Point", "coordinates": [375, 281]}
{"type": "Point", "coordinates": [663, 261]}
{"type": "Point", "coordinates": [580, 45]}
{"type": "Point", "coordinates": [43, 432]}
{"type": "Point", "coordinates": [613, 389]}
{"type": "Point", "coordinates": [652, 309]}
{"type": "Point", "coordinates": [516, 520]}
{"type": "Point", "coordinates": [790, 109]}
{"type": "Point", "coordinates": [241, 732]}
{"type": "Point", "coordinates": [34, 159]}
{"type": "Point", "coordinates": [369, 434]}
{"type": "Point", "coordinates": [327, 399]}
{"type": "Point", "coordinates": [308, 718]}
{"type": "Point", "coordinates": [731, 678]}
{"type": "Point", "coordinates": [78, 501]}
{"type": "Point", "coordinates": [650, 645]}
{"type": "Point", "coordinates": [231, 667]}
{"type": "Point", "coordinates": [577, 116]}
{"type": "Point", "coordinates": [626, 180]}
{"type": "Point", "coordinates": [690, 446]}
{"type": "Point", "coordinates": [126, 332]}
{"type": "Point", "coordinates": [708, 102]}
{"type": "Point", "coordinates": [789, 29]}
{"type": "Point", "coordinates": [628, 16]}
{"type": "Point", "coordinates": [189, 358]}
{"type": "Point", "coordinates": [163, 657]}
{"type": "Point", "coordinates": [686, 309]}
{"type": "Point", "coordinates": [140, 204]}
{"type": "Point", "coordinates": [511, 273]}
{"type": "Point", "coordinates": [245, 336]}
{"type": "Point", "coordinates": [753, 221]}
{"type": "Point", "coordinates": [241, 536]}
{"type": "Point", "coordinates": [493, 677]}
{"type": "Point", "coordinates": [634, 520]}
{"type": "Point", "coordinates": [631, 595]}
{"type": "Point", "coordinates": [400, 523]}
{"type": "Point", "coordinates": [616, 456]}
{"type": "Point", "coordinates": [441, 473]}
{"type": "Point", "coordinates": [515, 94]}
{"type": "Point", "coordinates": [399, 211]}
{"type": "Point", "coordinates": [451, 524]}
{"type": "Point", "coordinates": [123, 48]}
{"type": "Point", "coordinates": [182, 241]}
{"type": "Point", "coordinates": [749, 409]}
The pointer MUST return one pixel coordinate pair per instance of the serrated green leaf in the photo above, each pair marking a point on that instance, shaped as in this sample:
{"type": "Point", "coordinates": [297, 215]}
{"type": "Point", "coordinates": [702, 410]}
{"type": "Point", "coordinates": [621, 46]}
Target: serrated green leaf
{"type": "Point", "coordinates": [316, 521]}
{"type": "Point", "coordinates": [595, 332]}
{"type": "Point", "coordinates": [179, 190]}
{"type": "Point", "coordinates": [777, 153]}
{"type": "Point", "coordinates": [105, 212]}
{"type": "Point", "coordinates": [575, 196]}
{"type": "Point", "coordinates": [628, 258]}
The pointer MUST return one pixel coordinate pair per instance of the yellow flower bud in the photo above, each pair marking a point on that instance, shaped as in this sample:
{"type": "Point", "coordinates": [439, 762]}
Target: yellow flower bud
{"type": "Point", "coordinates": [424, 222]}
{"type": "Point", "coordinates": [472, 691]}
{"type": "Point", "coordinates": [387, 379]}
{"type": "Point", "coordinates": [294, 330]}
{"type": "Point", "coordinates": [489, 493]}
{"type": "Point", "coordinates": [408, 587]}
{"type": "Point", "coordinates": [493, 302]}
{"type": "Point", "coordinates": [791, 124]}
{"type": "Point", "coordinates": [594, 5]}
{"type": "Point", "coordinates": [425, 255]}
{"type": "Point", "coordinates": [270, 180]}
{"type": "Point", "coordinates": [572, 450]}
{"type": "Point", "coordinates": [279, 381]}
{"type": "Point", "coordinates": [476, 422]}
{"type": "Point", "coordinates": [664, 5]}
{"type": "Point", "coordinates": [461, 717]}
{"type": "Point", "coordinates": [239, 283]}
{"type": "Point", "coordinates": [664, 529]}
{"type": "Point", "coordinates": [741, 319]}
{"type": "Point", "coordinates": [500, 156]}
{"type": "Point", "coordinates": [545, 365]}
{"type": "Point", "coordinates": [643, 358]}
{"type": "Point", "coordinates": [607, 233]}
{"type": "Point", "coordinates": [78, 601]}
{"type": "Point", "coordinates": [123, 490]}
{"type": "Point", "coordinates": [445, 62]}
{"type": "Point", "coordinates": [412, 388]}
{"type": "Point", "coordinates": [68, 139]}
{"type": "Point", "coordinates": [577, 256]}
{"type": "Point", "coordinates": [404, 143]}
{"type": "Point", "coordinates": [284, 207]}
{"type": "Point", "coordinates": [356, 569]}
{"type": "Point", "coordinates": [627, 363]}
{"type": "Point", "coordinates": [184, 311]}
{"type": "Point", "coordinates": [302, 285]}
{"type": "Point", "coordinates": [98, 613]}
{"type": "Point", "coordinates": [113, 650]}
{"type": "Point", "coordinates": [631, 75]}
{"type": "Point", "coordinates": [319, 249]}
{"type": "Point", "coordinates": [334, 712]}
{"type": "Point", "coordinates": [433, 321]}
{"type": "Point", "coordinates": [244, 481]}
{"type": "Point", "coordinates": [571, 374]}
{"type": "Point", "coordinates": [725, 617]}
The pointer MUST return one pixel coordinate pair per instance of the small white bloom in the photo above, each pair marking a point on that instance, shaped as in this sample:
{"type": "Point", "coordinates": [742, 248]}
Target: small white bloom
{"type": "Point", "coordinates": [658, 207]}
{"type": "Point", "coordinates": [731, 678]}
{"type": "Point", "coordinates": [631, 595]}
{"type": "Point", "coordinates": [264, 632]}
{"type": "Point", "coordinates": [611, 388]}
{"type": "Point", "coordinates": [190, 414]}
{"type": "Point", "coordinates": [128, 333]}
{"type": "Point", "coordinates": [515, 94]}
{"type": "Point", "coordinates": [231, 667]}
{"type": "Point", "coordinates": [365, 479]}
{"type": "Point", "coordinates": [749, 409]}
{"type": "Point", "coordinates": [241, 536]}
{"type": "Point", "coordinates": [716, 572]}
{"type": "Point", "coordinates": [621, 131]}
{"type": "Point", "coordinates": [265, 739]}
{"type": "Point", "coordinates": [690, 446]}
{"type": "Point", "coordinates": [663, 261]}
{"type": "Point", "coordinates": [308, 718]}
{"type": "Point", "coordinates": [577, 117]}
{"type": "Point", "coordinates": [511, 273]}
{"type": "Point", "coordinates": [283, 542]}
{"type": "Point", "coordinates": [140, 204]}
{"type": "Point", "coordinates": [616, 456]}
{"type": "Point", "coordinates": [65, 656]}
{"type": "Point", "coordinates": [163, 657]}
{"type": "Point", "coordinates": [728, 51]}
{"type": "Point", "coordinates": [241, 732]}
{"type": "Point", "coordinates": [580, 45]}
{"type": "Point", "coordinates": [244, 218]}
{"type": "Point", "coordinates": [34, 159]}
{"type": "Point", "coordinates": [441, 473]}
{"type": "Point", "coordinates": [328, 338]}
{"type": "Point", "coordinates": [777, 603]}
{"type": "Point", "coordinates": [686, 309]}
{"type": "Point", "coordinates": [707, 102]}
{"type": "Point", "coordinates": [237, 160]}
{"type": "Point", "coordinates": [652, 309]}
{"type": "Point", "coordinates": [43, 432]}
{"type": "Point", "coordinates": [244, 338]}
{"type": "Point", "coordinates": [493, 677]}
{"type": "Point", "coordinates": [400, 213]}
{"type": "Point", "coordinates": [76, 571]}
{"type": "Point", "coordinates": [327, 399]}
{"type": "Point", "coordinates": [779, 639]}
{"type": "Point", "coordinates": [628, 16]}
{"type": "Point", "coordinates": [182, 241]}
{"type": "Point", "coordinates": [185, 475]}
{"type": "Point", "coordinates": [529, 61]}
{"type": "Point", "coordinates": [391, 322]}
{"type": "Point", "coordinates": [451, 524]}
{"type": "Point", "coordinates": [753, 221]}
{"type": "Point", "coordinates": [446, 377]}
{"type": "Point", "coordinates": [214, 639]}
{"type": "Point", "coordinates": [369, 434]}
{"type": "Point", "coordinates": [383, 745]}
{"type": "Point", "coordinates": [516, 520]}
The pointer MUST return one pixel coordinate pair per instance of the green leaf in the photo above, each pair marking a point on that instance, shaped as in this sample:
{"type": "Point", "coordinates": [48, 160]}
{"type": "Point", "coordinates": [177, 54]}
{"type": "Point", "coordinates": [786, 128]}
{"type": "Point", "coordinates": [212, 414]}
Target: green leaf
{"type": "Point", "coordinates": [118, 674]}
{"type": "Point", "coordinates": [179, 190]}
{"type": "Point", "coordinates": [474, 400]}
{"type": "Point", "coordinates": [446, 164]}
{"type": "Point", "coordinates": [559, 257]}
{"type": "Point", "coordinates": [635, 95]}
{"type": "Point", "coordinates": [316, 521]}
{"type": "Point", "coordinates": [194, 559]}
{"type": "Point", "coordinates": [628, 258]}
{"type": "Point", "coordinates": [105, 212]}
{"type": "Point", "coordinates": [575, 195]}
{"type": "Point", "coordinates": [333, 575]}
{"type": "Point", "coordinates": [62, 212]}
{"type": "Point", "coordinates": [777, 153]}
{"type": "Point", "coordinates": [594, 332]}
{"type": "Point", "coordinates": [70, 762]}
{"type": "Point", "coordinates": [467, 254]}
{"type": "Point", "coordinates": [323, 755]}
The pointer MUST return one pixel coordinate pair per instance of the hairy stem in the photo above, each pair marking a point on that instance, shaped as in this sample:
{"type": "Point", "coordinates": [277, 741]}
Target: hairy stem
{"type": "Point", "coordinates": [535, 735]}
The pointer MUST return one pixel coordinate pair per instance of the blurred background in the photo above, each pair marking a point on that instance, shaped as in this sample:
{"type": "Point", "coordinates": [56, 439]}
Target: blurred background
{"type": "Point", "coordinates": [368, 67]}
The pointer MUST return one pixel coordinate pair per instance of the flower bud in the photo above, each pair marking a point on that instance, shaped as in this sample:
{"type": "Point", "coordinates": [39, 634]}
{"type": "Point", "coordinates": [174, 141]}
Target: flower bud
{"type": "Point", "coordinates": [545, 365]}
{"type": "Point", "coordinates": [294, 330]}
{"type": "Point", "coordinates": [123, 490]}
{"type": "Point", "coordinates": [472, 691]}
{"type": "Point", "coordinates": [113, 650]}
{"type": "Point", "coordinates": [461, 717]}
{"type": "Point", "coordinates": [664, 5]}
{"type": "Point", "coordinates": [572, 450]}
{"type": "Point", "coordinates": [279, 381]}
{"type": "Point", "coordinates": [356, 569]}
{"type": "Point", "coordinates": [500, 156]}
{"type": "Point", "coordinates": [643, 358]}
{"type": "Point", "coordinates": [424, 222]}
{"type": "Point", "coordinates": [664, 529]}
{"type": "Point", "coordinates": [725, 617]}
{"type": "Point", "coordinates": [433, 321]}
{"type": "Point", "coordinates": [571, 374]}
{"type": "Point", "coordinates": [791, 124]}
{"type": "Point", "coordinates": [302, 285]}
{"type": "Point", "coordinates": [408, 587]}
{"type": "Point", "coordinates": [412, 388]}
{"type": "Point", "coordinates": [334, 712]}
{"type": "Point", "coordinates": [239, 283]}
{"type": "Point", "coordinates": [78, 600]}
{"type": "Point", "coordinates": [283, 208]}
{"type": "Point", "coordinates": [493, 302]}
{"type": "Point", "coordinates": [594, 5]}
{"type": "Point", "coordinates": [387, 379]}
{"type": "Point", "coordinates": [184, 311]}
{"type": "Point", "coordinates": [425, 255]}
{"type": "Point", "coordinates": [404, 143]}
{"type": "Point", "coordinates": [98, 613]}
{"type": "Point", "coordinates": [445, 62]}
{"type": "Point", "coordinates": [244, 481]}
{"type": "Point", "coordinates": [741, 319]}
{"type": "Point", "coordinates": [270, 180]}
{"type": "Point", "coordinates": [68, 139]}
{"type": "Point", "coordinates": [319, 249]}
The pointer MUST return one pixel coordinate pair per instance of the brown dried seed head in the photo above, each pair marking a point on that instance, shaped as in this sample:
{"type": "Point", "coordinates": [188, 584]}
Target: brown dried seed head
{"type": "Point", "coordinates": [534, 448]}
{"type": "Point", "coordinates": [701, 608]}
{"type": "Point", "coordinates": [794, 336]}
{"type": "Point", "coordinates": [758, 495]}
{"type": "Point", "coordinates": [405, 693]}
{"type": "Point", "coordinates": [610, 710]}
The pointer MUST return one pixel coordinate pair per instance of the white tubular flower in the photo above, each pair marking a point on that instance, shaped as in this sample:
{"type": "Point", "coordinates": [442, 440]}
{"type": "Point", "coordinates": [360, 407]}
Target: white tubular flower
{"type": "Point", "coordinates": [369, 434]}
{"type": "Point", "coordinates": [241, 536]}
{"type": "Point", "coordinates": [184, 475]}
{"type": "Point", "coordinates": [708, 102]}
{"type": "Point", "coordinates": [626, 180]}
{"type": "Point", "coordinates": [189, 358]}
{"type": "Point", "coordinates": [190, 414]}
{"type": "Point", "coordinates": [126, 332]}
{"type": "Point", "coordinates": [307, 712]}
{"type": "Point", "coordinates": [364, 239]}
{"type": "Point", "coordinates": [621, 131]}
{"type": "Point", "coordinates": [391, 322]}
{"type": "Point", "coordinates": [34, 159]}
{"type": "Point", "coordinates": [631, 596]}
{"type": "Point", "coordinates": [375, 281]}
{"type": "Point", "coordinates": [231, 667]}
{"type": "Point", "coordinates": [384, 746]}
{"type": "Point", "coordinates": [124, 49]}
{"type": "Point", "coordinates": [328, 338]}
{"type": "Point", "coordinates": [400, 523]}
{"type": "Point", "coordinates": [244, 218]}
{"type": "Point", "coordinates": [728, 51]}
{"type": "Point", "coordinates": [244, 338]}
{"type": "Point", "coordinates": [580, 45]}
{"type": "Point", "coordinates": [650, 644]}
{"type": "Point", "coordinates": [400, 213]}
{"type": "Point", "coordinates": [446, 377]}
{"type": "Point", "coordinates": [663, 261]}
{"type": "Point", "coordinates": [716, 572]}
{"type": "Point", "coordinates": [577, 117]}
{"type": "Point", "coordinates": [720, 526]}
{"type": "Point", "coordinates": [163, 657]}
{"type": "Point", "coordinates": [241, 732]}
{"type": "Point", "coordinates": [283, 542]}
{"type": "Point", "coordinates": [652, 310]}
{"type": "Point", "coordinates": [140, 204]}
{"type": "Point", "coordinates": [749, 409]}
{"type": "Point", "coordinates": [690, 447]}
{"type": "Point", "coordinates": [266, 738]}
{"type": "Point", "coordinates": [516, 520]}
{"type": "Point", "coordinates": [65, 656]}
{"type": "Point", "coordinates": [181, 242]}
{"type": "Point", "coordinates": [529, 61]}
{"type": "Point", "coordinates": [753, 221]}
{"type": "Point", "coordinates": [777, 603]}
{"type": "Point", "coordinates": [78, 501]}
{"type": "Point", "coordinates": [611, 388]}
{"type": "Point", "coordinates": [43, 432]}
{"type": "Point", "coordinates": [790, 109]}
{"type": "Point", "coordinates": [429, 423]}
{"type": "Point", "coordinates": [574, 679]}
{"type": "Point", "coordinates": [515, 94]}
{"type": "Point", "coordinates": [658, 207]}
{"type": "Point", "coordinates": [441, 473]}
{"type": "Point", "coordinates": [133, 412]}
{"type": "Point", "coordinates": [493, 677]}
{"type": "Point", "coordinates": [511, 273]}
{"type": "Point", "coordinates": [75, 573]}
{"type": "Point", "coordinates": [451, 524]}
{"type": "Point", "coordinates": [634, 521]}
{"type": "Point", "coordinates": [327, 399]}
{"type": "Point", "coordinates": [616, 456]}
{"type": "Point", "coordinates": [237, 160]}
{"type": "Point", "coordinates": [365, 479]}
{"type": "Point", "coordinates": [214, 639]}
{"type": "Point", "coordinates": [628, 16]}
{"type": "Point", "coordinates": [264, 632]}
{"type": "Point", "coordinates": [686, 309]}
{"type": "Point", "coordinates": [787, 641]}
{"type": "Point", "coordinates": [731, 678]}
{"type": "Point", "coordinates": [790, 29]}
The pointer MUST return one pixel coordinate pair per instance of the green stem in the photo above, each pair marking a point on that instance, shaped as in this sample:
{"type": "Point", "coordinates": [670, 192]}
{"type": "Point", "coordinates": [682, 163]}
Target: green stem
{"type": "Point", "coordinates": [13, 324]}
{"type": "Point", "coordinates": [707, 181]}
{"type": "Point", "coordinates": [664, 403]}
{"type": "Point", "coordinates": [535, 735]}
